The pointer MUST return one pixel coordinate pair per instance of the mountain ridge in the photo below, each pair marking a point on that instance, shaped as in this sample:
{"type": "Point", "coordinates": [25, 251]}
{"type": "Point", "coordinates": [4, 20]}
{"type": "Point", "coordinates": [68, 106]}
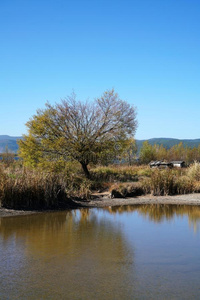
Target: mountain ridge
{"type": "Point", "coordinates": [10, 142]}
{"type": "Point", "coordinates": [169, 142]}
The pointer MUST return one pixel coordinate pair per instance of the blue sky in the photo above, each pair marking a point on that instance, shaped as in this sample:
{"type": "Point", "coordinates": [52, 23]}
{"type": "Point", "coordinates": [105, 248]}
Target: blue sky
{"type": "Point", "coordinates": [147, 50]}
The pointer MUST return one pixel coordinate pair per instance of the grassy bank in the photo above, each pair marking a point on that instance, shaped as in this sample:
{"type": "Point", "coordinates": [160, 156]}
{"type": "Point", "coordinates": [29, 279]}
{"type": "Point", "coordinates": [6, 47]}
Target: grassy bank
{"type": "Point", "coordinates": [26, 188]}
{"type": "Point", "coordinates": [160, 182]}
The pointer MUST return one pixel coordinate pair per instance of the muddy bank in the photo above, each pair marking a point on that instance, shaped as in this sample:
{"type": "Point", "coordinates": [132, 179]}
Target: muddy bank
{"type": "Point", "coordinates": [4, 212]}
{"type": "Point", "coordinates": [188, 199]}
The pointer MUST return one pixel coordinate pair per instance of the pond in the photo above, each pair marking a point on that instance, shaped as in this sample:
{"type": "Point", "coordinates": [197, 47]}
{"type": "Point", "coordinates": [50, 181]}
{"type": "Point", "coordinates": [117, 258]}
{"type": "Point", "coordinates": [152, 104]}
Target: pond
{"type": "Point", "coordinates": [128, 252]}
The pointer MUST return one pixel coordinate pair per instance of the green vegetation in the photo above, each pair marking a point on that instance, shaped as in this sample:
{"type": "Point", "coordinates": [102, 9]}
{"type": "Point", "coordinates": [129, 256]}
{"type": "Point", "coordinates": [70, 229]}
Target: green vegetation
{"type": "Point", "coordinates": [150, 152]}
{"type": "Point", "coordinates": [169, 142]}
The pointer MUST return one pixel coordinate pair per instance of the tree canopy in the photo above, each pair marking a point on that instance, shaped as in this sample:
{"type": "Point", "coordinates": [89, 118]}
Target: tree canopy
{"type": "Point", "coordinates": [77, 130]}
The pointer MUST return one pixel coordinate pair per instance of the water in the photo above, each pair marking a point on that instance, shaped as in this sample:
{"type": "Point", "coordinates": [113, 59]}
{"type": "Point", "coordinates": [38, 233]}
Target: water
{"type": "Point", "coordinates": [144, 252]}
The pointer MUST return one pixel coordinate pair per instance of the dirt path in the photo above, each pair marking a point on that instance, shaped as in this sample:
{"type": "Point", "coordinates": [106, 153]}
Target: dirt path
{"type": "Point", "coordinates": [189, 199]}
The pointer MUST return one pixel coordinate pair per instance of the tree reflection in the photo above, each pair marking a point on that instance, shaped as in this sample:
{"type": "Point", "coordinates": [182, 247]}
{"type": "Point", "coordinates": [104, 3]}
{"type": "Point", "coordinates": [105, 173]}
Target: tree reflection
{"type": "Point", "coordinates": [160, 212]}
{"type": "Point", "coordinates": [78, 252]}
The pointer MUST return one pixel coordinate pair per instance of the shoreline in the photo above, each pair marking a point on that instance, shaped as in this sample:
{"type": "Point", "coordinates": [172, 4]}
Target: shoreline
{"type": "Point", "coordinates": [187, 199]}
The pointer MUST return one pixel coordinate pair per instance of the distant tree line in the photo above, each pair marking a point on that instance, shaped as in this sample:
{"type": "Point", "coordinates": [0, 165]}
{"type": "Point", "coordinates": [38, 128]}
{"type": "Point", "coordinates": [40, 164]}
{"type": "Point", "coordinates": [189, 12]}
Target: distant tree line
{"type": "Point", "coordinates": [150, 152]}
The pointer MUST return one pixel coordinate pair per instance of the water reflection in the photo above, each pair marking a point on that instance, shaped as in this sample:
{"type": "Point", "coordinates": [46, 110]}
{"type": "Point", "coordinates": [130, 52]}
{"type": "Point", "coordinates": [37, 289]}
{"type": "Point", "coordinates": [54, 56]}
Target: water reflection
{"type": "Point", "coordinates": [160, 212]}
{"type": "Point", "coordinates": [74, 253]}
{"type": "Point", "coordinates": [125, 252]}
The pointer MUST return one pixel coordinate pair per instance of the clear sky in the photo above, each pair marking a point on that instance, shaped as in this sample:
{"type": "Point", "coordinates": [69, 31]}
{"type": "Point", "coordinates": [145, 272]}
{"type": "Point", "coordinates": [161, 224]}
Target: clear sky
{"type": "Point", "coordinates": [147, 50]}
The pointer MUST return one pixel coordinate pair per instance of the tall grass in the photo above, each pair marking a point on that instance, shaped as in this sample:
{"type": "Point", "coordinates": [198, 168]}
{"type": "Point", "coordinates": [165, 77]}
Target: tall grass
{"type": "Point", "coordinates": [26, 188]}
{"type": "Point", "coordinates": [119, 173]}
{"type": "Point", "coordinates": [32, 190]}
{"type": "Point", "coordinates": [162, 182]}
{"type": "Point", "coordinates": [158, 183]}
{"type": "Point", "coordinates": [168, 182]}
{"type": "Point", "coordinates": [194, 171]}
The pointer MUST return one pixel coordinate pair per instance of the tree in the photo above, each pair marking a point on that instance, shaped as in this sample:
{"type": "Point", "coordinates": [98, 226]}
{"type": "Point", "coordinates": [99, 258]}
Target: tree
{"type": "Point", "coordinates": [8, 157]}
{"type": "Point", "coordinates": [130, 152]}
{"type": "Point", "coordinates": [81, 131]}
{"type": "Point", "coordinates": [147, 153]}
{"type": "Point", "coordinates": [177, 152]}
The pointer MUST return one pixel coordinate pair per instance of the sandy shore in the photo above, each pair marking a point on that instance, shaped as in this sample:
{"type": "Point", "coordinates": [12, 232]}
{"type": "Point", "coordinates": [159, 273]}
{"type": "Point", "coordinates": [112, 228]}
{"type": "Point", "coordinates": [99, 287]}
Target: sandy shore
{"type": "Point", "coordinates": [189, 199]}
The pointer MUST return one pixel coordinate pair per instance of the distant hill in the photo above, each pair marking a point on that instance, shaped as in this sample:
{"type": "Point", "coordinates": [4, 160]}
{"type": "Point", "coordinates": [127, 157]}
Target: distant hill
{"type": "Point", "coordinates": [11, 142]}
{"type": "Point", "coordinates": [169, 142]}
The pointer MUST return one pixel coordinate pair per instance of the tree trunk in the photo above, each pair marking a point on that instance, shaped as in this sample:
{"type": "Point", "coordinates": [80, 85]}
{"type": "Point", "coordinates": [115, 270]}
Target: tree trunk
{"type": "Point", "coordinates": [85, 170]}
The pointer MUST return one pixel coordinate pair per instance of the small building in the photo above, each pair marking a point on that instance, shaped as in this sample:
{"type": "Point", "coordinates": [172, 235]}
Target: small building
{"type": "Point", "coordinates": [160, 164]}
{"type": "Point", "coordinates": [178, 163]}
